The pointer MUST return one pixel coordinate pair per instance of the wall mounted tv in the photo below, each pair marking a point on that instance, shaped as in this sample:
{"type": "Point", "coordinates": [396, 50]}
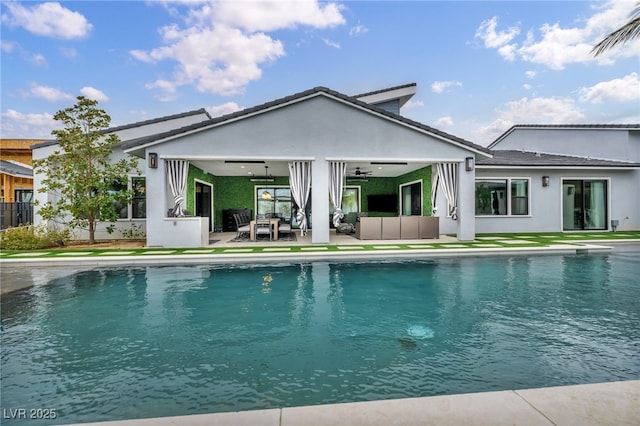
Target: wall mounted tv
{"type": "Point", "coordinates": [382, 203]}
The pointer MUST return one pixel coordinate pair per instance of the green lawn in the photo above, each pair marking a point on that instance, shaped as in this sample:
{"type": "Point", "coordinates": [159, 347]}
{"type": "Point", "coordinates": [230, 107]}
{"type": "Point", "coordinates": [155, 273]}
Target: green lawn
{"type": "Point", "coordinates": [493, 241]}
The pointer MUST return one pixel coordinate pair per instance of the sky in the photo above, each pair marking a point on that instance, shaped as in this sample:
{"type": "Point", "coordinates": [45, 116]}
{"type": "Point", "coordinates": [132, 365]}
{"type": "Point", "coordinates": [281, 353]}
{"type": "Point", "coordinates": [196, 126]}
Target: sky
{"type": "Point", "coordinates": [480, 66]}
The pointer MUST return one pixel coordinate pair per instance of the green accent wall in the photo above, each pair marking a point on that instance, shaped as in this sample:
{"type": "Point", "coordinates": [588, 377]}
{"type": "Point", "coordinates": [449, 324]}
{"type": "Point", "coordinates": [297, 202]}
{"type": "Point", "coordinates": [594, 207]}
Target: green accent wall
{"type": "Point", "coordinates": [237, 192]}
{"type": "Point", "coordinates": [196, 173]}
{"type": "Point", "coordinates": [392, 186]}
{"type": "Point", "coordinates": [233, 192]}
{"type": "Point", "coordinates": [424, 174]}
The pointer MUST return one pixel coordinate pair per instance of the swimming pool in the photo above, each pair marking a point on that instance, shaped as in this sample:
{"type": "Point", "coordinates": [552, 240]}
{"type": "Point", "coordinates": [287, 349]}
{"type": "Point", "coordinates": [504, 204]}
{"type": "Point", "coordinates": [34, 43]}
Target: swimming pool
{"type": "Point", "coordinates": [162, 341]}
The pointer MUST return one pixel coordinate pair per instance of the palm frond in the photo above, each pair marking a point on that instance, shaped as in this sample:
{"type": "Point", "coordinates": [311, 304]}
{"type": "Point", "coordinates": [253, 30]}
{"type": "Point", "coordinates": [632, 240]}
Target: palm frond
{"type": "Point", "coordinates": [626, 33]}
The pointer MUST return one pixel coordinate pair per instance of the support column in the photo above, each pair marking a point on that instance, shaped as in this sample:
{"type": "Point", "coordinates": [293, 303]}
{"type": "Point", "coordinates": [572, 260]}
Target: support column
{"type": "Point", "coordinates": [466, 228]}
{"type": "Point", "coordinates": [156, 186]}
{"type": "Point", "coordinates": [320, 201]}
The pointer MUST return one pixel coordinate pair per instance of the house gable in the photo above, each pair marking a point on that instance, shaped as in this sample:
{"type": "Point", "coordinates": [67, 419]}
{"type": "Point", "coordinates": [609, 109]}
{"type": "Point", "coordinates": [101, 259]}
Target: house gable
{"type": "Point", "coordinates": [619, 142]}
{"type": "Point", "coordinates": [305, 121]}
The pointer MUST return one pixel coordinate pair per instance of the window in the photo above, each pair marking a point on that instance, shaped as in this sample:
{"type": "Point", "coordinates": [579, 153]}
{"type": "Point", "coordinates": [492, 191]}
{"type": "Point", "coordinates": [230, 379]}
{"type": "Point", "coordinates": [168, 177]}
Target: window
{"type": "Point", "coordinates": [584, 204]}
{"type": "Point", "coordinates": [138, 207]}
{"type": "Point", "coordinates": [139, 203]}
{"type": "Point", "coordinates": [502, 197]}
{"type": "Point", "coordinates": [411, 199]}
{"type": "Point", "coordinates": [350, 203]}
{"type": "Point", "coordinates": [519, 197]}
{"type": "Point", "coordinates": [274, 201]}
{"type": "Point", "coordinates": [122, 210]}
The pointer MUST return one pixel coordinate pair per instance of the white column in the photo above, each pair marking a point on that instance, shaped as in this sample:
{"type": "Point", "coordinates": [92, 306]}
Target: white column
{"type": "Point", "coordinates": [320, 201]}
{"type": "Point", "coordinates": [156, 182]}
{"type": "Point", "coordinates": [466, 228]}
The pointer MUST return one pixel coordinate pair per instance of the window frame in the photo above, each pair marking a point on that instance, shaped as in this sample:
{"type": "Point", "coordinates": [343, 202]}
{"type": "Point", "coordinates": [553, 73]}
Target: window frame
{"type": "Point", "coordinates": [508, 195]}
{"type": "Point", "coordinates": [130, 216]}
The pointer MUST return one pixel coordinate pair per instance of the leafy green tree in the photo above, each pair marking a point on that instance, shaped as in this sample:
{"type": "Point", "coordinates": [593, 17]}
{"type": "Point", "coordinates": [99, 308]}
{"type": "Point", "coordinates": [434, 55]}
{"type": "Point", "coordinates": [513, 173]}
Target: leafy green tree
{"type": "Point", "coordinates": [88, 184]}
{"type": "Point", "coordinates": [628, 32]}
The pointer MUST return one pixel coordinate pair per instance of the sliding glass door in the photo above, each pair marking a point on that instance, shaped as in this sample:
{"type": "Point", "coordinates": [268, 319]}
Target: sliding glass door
{"type": "Point", "coordinates": [584, 204]}
{"type": "Point", "coordinates": [411, 199]}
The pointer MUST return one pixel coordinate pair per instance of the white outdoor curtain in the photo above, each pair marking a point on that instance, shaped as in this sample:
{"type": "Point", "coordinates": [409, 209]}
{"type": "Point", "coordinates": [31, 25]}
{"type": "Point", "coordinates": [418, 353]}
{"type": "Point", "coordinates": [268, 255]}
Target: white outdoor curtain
{"type": "Point", "coordinates": [300, 183]}
{"type": "Point", "coordinates": [434, 191]}
{"type": "Point", "coordinates": [177, 171]}
{"type": "Point", "coordinates": [337, 171]}
{"type": "Point", "coordinates": [448, 179]}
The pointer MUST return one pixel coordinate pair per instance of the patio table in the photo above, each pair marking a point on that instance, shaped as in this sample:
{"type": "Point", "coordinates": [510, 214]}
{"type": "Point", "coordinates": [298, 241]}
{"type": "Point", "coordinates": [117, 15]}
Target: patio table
{"type": "Point", "coordinates": [274, 221]}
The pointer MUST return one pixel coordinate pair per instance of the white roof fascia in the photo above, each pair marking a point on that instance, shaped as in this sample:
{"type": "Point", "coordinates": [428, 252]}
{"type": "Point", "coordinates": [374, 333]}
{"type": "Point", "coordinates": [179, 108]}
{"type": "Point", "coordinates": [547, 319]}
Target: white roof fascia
{"type": "Point", "coordinates": [403, 94]}
{"type": "Point", "coordinates": [234, 158]}
{"type": "Point", "coordinates": [630, 167]}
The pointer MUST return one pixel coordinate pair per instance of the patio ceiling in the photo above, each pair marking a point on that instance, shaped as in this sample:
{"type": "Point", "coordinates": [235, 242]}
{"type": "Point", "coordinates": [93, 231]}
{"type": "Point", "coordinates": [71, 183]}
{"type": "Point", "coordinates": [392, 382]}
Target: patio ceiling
{"type": "Point", "coordinates": [247, 168]}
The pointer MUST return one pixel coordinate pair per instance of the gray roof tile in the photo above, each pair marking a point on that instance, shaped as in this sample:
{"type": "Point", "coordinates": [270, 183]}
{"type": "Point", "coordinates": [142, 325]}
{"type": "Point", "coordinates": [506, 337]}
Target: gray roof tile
{"type": "Point", "coordinates": [136, 124]}
{"type": "Point", "coordinates": [534, 159]}
{"type": "Point", "coordinates": [565, 126]}
{"type": "Point", "coordinates": [15, 169]}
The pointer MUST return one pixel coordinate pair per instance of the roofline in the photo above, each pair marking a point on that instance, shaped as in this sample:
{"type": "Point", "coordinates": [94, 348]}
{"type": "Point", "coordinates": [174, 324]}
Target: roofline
{"type": "Point", "coordinates": [136, 124]}
{"type": "Point", "coordinates": [563, 127]}
{"type": "Point", "coordinates": [388, 89]}
{"type": "Point", "coordinates": [158, 120]}
{"type": "Point", "coordinates": [298, 97]}
{"type": "Point", "coordinates": [556, 166]}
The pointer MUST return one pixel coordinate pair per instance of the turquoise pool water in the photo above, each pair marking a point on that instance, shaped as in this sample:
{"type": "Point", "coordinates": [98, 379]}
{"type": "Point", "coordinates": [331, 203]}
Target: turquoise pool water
{"type": "Point", "coordinates": [162, 341]}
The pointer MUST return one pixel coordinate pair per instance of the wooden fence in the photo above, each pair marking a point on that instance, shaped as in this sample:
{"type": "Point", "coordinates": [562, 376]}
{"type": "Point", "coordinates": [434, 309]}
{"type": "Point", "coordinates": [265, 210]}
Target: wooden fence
{"type": "Point", "coordinates": [15, 214]}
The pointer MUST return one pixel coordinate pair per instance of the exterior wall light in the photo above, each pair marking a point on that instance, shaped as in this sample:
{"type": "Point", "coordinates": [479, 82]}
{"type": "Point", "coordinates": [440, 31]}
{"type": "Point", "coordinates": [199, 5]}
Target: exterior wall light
{"type": "Point", "coordinates": [545, 180]}
{"type": "Point", "coordinates": [153, 160]}
{"type": "Point", "coordinates": [469, 164]}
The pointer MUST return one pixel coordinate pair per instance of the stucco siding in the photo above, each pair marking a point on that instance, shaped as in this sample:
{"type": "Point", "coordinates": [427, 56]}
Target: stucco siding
{"type": "Point", "coordinates": [318, 128]}
{"type": "Point", "coordinates": [546, 202]}
{"type": "Point", "coordinates": [613, 144]}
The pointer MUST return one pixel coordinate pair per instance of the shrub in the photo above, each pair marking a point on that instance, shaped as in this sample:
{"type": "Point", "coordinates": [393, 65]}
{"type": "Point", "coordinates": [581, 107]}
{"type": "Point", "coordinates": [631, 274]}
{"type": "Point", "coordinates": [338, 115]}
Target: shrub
{"type": "Point", "coordinates": [28, 237]}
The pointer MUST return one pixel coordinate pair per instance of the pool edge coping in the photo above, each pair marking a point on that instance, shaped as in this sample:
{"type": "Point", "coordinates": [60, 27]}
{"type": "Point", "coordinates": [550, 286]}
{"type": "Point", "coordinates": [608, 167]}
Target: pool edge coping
{"type": "Point", "coordinates": [592, 404]}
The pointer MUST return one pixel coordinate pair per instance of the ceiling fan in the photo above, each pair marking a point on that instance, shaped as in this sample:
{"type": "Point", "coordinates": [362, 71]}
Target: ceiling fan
{"type": "Point", "coordinates": [359, 174]}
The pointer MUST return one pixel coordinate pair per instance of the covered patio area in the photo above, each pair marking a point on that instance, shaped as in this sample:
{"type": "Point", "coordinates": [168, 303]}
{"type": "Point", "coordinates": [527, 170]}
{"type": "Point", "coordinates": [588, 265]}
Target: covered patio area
{"type": "Point", "coordinates": [310, 159]}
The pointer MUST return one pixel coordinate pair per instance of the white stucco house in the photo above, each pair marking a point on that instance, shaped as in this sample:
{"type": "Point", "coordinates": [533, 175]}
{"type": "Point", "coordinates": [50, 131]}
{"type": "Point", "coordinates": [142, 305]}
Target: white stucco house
{"type": "Point", "coordinates": [553, 178]}
{"type": "Point", "coordinates": [294, 156]}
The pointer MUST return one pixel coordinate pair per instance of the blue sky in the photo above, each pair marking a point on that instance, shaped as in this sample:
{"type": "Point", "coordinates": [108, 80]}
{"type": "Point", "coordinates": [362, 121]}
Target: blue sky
{"type": "Point", "coordinates": [480, 66]}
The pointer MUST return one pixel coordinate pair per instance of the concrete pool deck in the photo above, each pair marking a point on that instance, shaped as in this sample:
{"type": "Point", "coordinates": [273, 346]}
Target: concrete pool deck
{"type": "Point", "coordinates": [602, 404]}
{"type": "Point", "coordinates": [23, 269]}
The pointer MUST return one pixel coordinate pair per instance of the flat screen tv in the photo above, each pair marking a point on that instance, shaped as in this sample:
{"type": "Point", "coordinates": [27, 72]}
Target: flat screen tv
{"type": "Point", "coordinates": [387, 203]}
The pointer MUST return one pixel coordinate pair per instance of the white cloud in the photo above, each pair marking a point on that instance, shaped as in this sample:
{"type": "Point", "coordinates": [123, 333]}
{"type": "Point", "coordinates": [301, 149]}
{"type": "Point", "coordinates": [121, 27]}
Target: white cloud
{"type": "Point", "coordinates": [531, 74]}
{"type": "Point", "coordinates": [443, 122]}
{"type": "Point", "coordinates": [357, 30]}
{"type": "Point", "coordinates": [16, 125]}
{"type": "Point", "coordinates": [226, 108]}
{"type": "Point", "coordinates": [493, 39]}
{"type": "Point", "coordinates": [555, 46]}
{"type": "Point", "coordinates": [331, 43]}
{"type": "Point", "coordinates": [50, 94]}
{"type": "Point", "coordinates": [48, 19]}
{"type": "Point", "coordinates": [526, 86]}
{"type": "Point", "coordinates": [8, 46]}
{"type": "Point", "coordinates": [412, 104]}
{"type": "Point", "coordinates": [622, 89]}
{"type": "Point", "coordinates": [443, 86]}
{"type": "Point", "coordinates": [68, 52]}
{"type": "Point", "coordinates": [272, 15]}
{"type": "Point", "coordinates": [541, 110]}
{"type": "Point", "coordinates": [223, 45]}
{"type": "Point", "coordinates": [93, 93]}
{"type": "Point", "coordinates": [38, 60]}
{"type": "Point", "coordinates": [531, 111]}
